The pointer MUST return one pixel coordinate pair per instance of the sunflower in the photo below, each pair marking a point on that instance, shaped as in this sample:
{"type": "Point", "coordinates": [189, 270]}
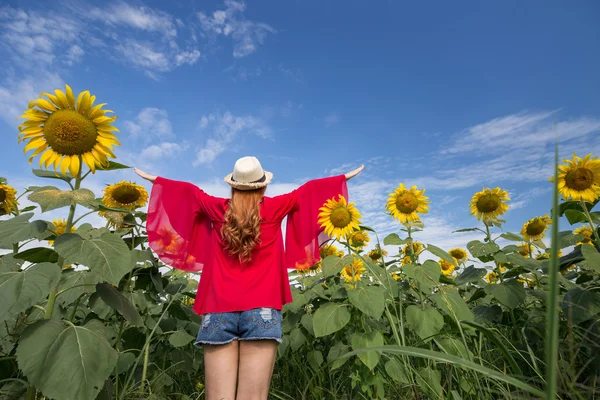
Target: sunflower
{"type": "Point", "coordinates": [586, 231]}
{"type": "Point", "coordinates": [66, 131]}
{"type": "Point", "coordinates": [459, 255]}
{"type": "Point", "coordinates": [525, 249]}
{"type": "Point", "coordinates": [546, 256]}
{"type": "Point", "coordinates": [377, 253]}
{"type": "Point", "coordinates": [489, 203]}
{"type": "Point", "coordinates": [417, 248]}
{"type": "Point", "coordinates": [404, 204]}
{"type": "Point", "coordinates": [329, 250]}
{"type": "Point", "coordinates": [527, 280]}
{"type": "Point", "coordinates": [406, 260]}
{"type": "Point", "coordinates": [579, 179]}
{"type": "Point", "coordinates": [60, 227]}
{"type": "Point", "coordinates": [396, 276]}
{"type": "Point", "coordinates": [126, 195]}
{"type": "Point", "coordinates": [339, 218]}
{"type": "Point", "coordinates": [535, 228]}
{"type": "Point", "coordinates": [359, 239]}
{"type": "Point", "coordinates": [491, 277]}
{"type": "Point", "coordinates": [8, 200]}
{"type": "Point", "coordinates": [352, 272]}
{"type": "Point", "coordinates": [447, 267]}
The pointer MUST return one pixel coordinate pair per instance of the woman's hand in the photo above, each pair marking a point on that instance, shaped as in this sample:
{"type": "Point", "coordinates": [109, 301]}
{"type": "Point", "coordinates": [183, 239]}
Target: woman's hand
{"type": "Point", "coordinates": [352, 174]}
{"type": "Point", "coordinates": [144, 175]}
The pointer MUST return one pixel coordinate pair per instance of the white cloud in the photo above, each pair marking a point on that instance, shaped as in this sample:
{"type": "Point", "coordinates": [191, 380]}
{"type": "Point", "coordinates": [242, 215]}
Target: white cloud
{"type": "Point", "coordinates": [74, 55]}
{"type": "Point", "coordinates": [151, 123]}
{"type": "Point", "coordinates": [142, 18]}
{"type": "Point", "coordinates": [145, 56]}
{"type": "Point", "coordinates": [161, 151]}
{"type": "Point", "coordinates": [332, 119]}
{"type": "Point", "coordinates": [225, 129]}
{"type": "Point", "coordinates": [247, 35]}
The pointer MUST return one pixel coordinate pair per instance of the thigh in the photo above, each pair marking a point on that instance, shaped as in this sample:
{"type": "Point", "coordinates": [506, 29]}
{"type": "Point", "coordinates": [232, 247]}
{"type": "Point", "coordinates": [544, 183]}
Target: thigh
{"type": "Point", "coordinates": [220, 370]}
{"type": "Point", "coordinates": [257, 359]}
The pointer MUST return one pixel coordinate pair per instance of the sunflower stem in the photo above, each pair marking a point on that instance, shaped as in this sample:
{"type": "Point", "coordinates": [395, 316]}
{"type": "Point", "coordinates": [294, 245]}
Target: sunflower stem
{"type": "Point", "coordinates": [84, 215]}
{"type": "Point", "coordinates": [589, 217]}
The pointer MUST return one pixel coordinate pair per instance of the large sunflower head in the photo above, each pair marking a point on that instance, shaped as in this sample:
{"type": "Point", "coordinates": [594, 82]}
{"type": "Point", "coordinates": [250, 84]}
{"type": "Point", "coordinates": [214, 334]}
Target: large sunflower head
{"type": "Point", "coordinates": [8, 199]}
{"type": "Point", "coordinates": [525, 249]}
{"type": "Point", "coordinates": [579, 178]}
{"type": "Point", "coordinates": [447, 267]}
{"type": "Point", "coordinates": [406, 204]}
{"type": "Point", "coordinates": [358, 239]}
{"type": "Point", "coordinates": [535, 228]}
{"type": "Point", "coordinates": [339, 218]}
{"type": "Point", "coordinates": [126, 195]}
{"type": "Point", "coordinates": [352, 272]}
{"type": "Point", "coordinates": [460, 255]}
{"type": "Point", "coordinates": [66, 131]}
{"type": "Point", "coordinates": [586, 231]}
{"type": "Point", "coordinates": [60, 227]}
{"type": "Point", "coordinates": [489, 203]}
{"type": "Point", "coordinates": [329, 250]}
{"type": "Point", "coordinates": [417, 248]}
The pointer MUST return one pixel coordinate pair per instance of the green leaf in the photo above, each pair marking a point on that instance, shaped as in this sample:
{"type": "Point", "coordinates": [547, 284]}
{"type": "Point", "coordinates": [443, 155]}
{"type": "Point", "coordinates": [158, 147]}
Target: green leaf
{"type": "Point", "coordinates": [368, 299]}
{"type": "Point", "coordinates": [297, 339]}
{"type": "Point", "coordinates": [111, 166]}
{"type": "Point", "coordinates": [117, 301]}
{"type": "Point", "coordinates": [52, 174]}
{"type": "Point", "coordinates": [488, 314]}
{"type": "Point", "coordinates": [8, 263]}
{"type": "Point", "coordinates": [365, 341]}
{"type": "Point", "coordinates": [396, 370]}
{"type": "Point", "coordinates": [470, 274]}
{"type": "Point", "coordinates": [427, 275]}
{"type": "Point", "coordinates": [19, 228]}
{"type": "Point", "coordinates": [512, 237]}
{"type": "Point", "coordinates": [332, 265]}
{"type": "Point", "coordinates": [466, 230]}
{"type": "Point", "coordinates": [568, 238]}
{"type": "Point", "coordinates": [37, 255]}
{"type": "Point", "coordinates": [180, 339]}
{"type": "Point", "coordinates": [126, 360]}
{"type": "Point", "coordinates": [335, 352]}
{"type": "Point", "coordinates": [330, 318]}
{"type": "Point", "coordinates": [315, 359]}
{"type": "Point", "coordinates": [575, 216]}
{"type": "Point", "coordinates": [479, 249]}
{"type": "Point", "coordinates": [107, 255]}
{"type": "Point", "coordinates": [23, 289]}
{"type": "Point", "coordinates": [591, 256]}
{"type": "Point", "coordinates": [436, 251]}
{"type": "Point", "coordinates": [510, 294]}
{"type": "Point", "coordinates": [451, 302]}
{"type": "Point", "coordinates": [580, 305]}
{"type": "Point", "coordinates": [307, 323]}
{"type": "Point", "coordinates": [527, 263]}
{"type": "Point", "coordinates": [454, 347]}
{"type": "Point", "coordinates": [429, 381]}
{"type": "Point", "coordinates": [72, 285]}
{"type": "Point", "coordinates": [27, 209]}
{"type": "Point", "coordinates": [51, 198]}
{"type": "Point", "coordinates": [426, 321]}
{"type": "Point", "coordinates": [65, 361]}
{"type": "Point", "coordinates": [394, 239]}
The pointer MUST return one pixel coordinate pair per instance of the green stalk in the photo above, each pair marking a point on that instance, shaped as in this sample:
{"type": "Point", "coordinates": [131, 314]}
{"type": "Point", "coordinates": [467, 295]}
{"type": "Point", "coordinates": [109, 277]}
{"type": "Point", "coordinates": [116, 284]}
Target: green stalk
{"type": "Point", "coordinates": [61, 260]}
{"type": "Point", "coordinates": [145, 366]}
{"type": "Point", "coordinates": [589, 217]}
{"type": "Point", "coordinates": [552, 311]}
{"type": "Point", "coordinates": [31, 393]}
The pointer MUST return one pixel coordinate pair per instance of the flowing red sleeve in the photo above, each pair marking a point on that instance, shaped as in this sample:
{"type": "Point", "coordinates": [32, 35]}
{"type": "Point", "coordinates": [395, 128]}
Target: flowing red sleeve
{"type": "Point", "coordinates": [303, 232]}
{"type": "Point", "coordinates": [176, 224]}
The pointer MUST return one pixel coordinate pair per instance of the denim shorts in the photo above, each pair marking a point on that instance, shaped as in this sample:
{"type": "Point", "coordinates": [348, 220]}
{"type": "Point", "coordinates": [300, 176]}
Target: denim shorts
{"type": "Point", "coordinates": [255, 324]}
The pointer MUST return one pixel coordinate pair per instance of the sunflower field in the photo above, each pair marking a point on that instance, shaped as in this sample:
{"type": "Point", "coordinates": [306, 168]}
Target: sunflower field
{"type": "Point", "coordinates": [90, 313]}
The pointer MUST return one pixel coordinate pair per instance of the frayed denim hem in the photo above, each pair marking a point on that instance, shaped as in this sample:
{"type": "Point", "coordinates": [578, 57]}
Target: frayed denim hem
{"type": "Point", "coordinates": [262, 338]}
{"type": "Point", "coordinates": [200, 342]}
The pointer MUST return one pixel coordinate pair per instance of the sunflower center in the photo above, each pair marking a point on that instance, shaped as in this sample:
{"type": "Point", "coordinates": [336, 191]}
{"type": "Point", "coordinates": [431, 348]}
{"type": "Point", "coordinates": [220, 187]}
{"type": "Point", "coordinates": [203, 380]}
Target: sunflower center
{"type": "Point", "coordinates": [579, 179]}
{"type": "Point", "coordinates": [126, 194]}
{"type": "Point", "coordinates": [2, 195]}
{"type": "Point", "coordinates": [406, 203]}
{"type": "Point", "coordinates": [457, 254]}
{"type": "Point", "coordinates": [536, 227]}
{"type": "Point", "coordinates": [488, 203]}
{"type": "Point", "coordinates": [340, 217]}
{"type": "Point", "coordinates": [70, 133]}
{"type": "Point", "coordinates": [359, 237]}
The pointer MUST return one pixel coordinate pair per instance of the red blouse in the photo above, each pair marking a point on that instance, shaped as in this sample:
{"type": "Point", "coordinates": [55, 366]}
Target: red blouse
{"type": "Point", "coordinates": [184, 226]}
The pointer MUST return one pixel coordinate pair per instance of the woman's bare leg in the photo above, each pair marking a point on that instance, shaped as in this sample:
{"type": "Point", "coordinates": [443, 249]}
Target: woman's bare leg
{"type": "Point", "coordinates": [257, 359]}
{"type": "Point", "coordinates": [220, 370]}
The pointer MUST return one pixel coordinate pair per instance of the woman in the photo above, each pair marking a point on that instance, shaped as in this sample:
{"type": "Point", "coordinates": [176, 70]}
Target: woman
{"type": "Point", "coordinates": [238, 245]}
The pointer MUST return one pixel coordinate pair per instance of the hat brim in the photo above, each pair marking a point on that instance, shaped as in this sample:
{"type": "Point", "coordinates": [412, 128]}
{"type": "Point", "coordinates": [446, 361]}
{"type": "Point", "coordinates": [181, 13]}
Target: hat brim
{"type": "Point", "coordinates": [249, 186]}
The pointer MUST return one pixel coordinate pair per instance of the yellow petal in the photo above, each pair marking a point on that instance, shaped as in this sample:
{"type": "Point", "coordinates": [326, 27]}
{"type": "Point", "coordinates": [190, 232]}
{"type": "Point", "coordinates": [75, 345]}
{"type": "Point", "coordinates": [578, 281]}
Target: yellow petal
{"type": "Point", "coordinates": [44, 157]}
{"type": "Point", "coordinates": [32, 129]}
{"type": "Point", "coordinates": [65, 164]}
{"type": "Point", "coordinates": [96, 111]}
{"type": "Point", "coordinates": [52, 98]}
{"type": "Point", "coordinates": [103, 119]}
{"type": "Point", "coordinates": [74, 166]}
{"type": "Point", "coordinates": [108, 128]}
{"type": "Point", "coordinates": [88, 159]}
{"type": "Point", "coordinates": [64, 103]}
{"type": "Point", "coordinates": [34, 143]}
{"type": "Point", "coordinates": [80, 99]}
{"type": "Point", "coordinates": [57, 161]}
{"type": "Point", "coordinates": [31, 136]}
{"type": "Point", "coordinates": [70, 96]}
{"type": "Point", "coordinates": [104, 150]}
{"type": "Point", "coordinates": [45, 104]}
{"type": "Point", "coordinates": [52, 158]}
{"type": "Point", "coordinates": [107, 142]}
{"type": "Point", "coordinates": [85, 103]}
{"type": "Point", "coordinates": [38, 151]}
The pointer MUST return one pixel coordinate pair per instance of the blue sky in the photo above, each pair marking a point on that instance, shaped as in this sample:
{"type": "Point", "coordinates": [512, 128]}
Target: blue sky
{"type": "Point", "coordinates": [449, 96]}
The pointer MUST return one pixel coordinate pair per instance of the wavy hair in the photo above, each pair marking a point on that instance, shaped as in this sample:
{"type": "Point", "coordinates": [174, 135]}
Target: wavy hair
{"type": "Point", "coordinates": [241, 229]}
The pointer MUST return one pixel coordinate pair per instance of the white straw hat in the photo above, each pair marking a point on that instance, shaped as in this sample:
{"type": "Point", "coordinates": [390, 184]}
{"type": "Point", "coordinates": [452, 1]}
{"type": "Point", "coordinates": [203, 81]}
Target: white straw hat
{"type": "Point", "coordinates": [248, 174]}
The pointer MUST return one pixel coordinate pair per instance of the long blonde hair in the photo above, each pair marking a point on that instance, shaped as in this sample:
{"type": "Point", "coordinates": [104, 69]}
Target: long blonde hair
{"type": "Point", "coordinates": [241, 229]}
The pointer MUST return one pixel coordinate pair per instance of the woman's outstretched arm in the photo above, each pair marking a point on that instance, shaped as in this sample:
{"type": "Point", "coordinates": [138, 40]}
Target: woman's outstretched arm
{"type": "Point", "coordinates": [355, 172]}
{"type": "Point", "coordinates": [145, 175]}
